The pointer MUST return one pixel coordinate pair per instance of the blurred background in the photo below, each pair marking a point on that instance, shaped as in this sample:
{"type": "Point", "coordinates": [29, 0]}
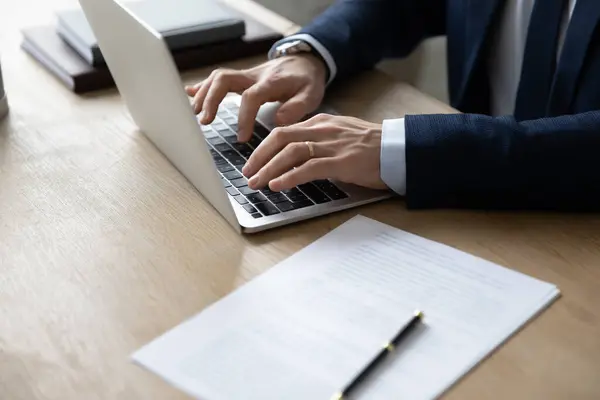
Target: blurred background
{"type": "Point", "coordinates": [425, 68]}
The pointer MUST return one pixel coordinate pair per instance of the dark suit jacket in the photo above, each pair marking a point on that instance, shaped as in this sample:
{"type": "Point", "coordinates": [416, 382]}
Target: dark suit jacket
{"type": "Point", "coordinates": [475, 160]}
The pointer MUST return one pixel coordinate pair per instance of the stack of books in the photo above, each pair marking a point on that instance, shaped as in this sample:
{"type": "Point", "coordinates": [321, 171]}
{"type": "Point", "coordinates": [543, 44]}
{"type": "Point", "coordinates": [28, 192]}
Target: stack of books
{"type": "Point", "coordinates": [197, 32]}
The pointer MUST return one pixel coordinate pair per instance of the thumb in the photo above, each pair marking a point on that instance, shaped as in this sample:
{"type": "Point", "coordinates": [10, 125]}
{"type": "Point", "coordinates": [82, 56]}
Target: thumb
{"type": "Point", "coordinates": [294, 109]}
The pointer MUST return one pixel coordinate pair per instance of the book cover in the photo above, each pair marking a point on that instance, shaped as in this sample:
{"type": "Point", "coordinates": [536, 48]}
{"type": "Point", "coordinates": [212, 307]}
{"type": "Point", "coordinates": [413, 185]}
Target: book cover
{"type": "Point", "coordinates": [45, 45]}
{"type": "Point", "coordinates": [182, 23]}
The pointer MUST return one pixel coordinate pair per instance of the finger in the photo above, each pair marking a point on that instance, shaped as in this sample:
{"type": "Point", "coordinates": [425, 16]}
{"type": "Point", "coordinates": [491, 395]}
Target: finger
{"type": "Point", "coordinates": [293, 155]}
{"type": "Point", "coordinates": [191, 90]}
{"type": "Point", "coordinates": [297, 107]}
{"type": "Point", "coordinates": [313, 169]}
{"type": "Point", "coordinates": [276, 141]}
{"type": "Point", "coordinates": [252, 100]}
{"type": "Point", "coordinates": [223, 82]}
{"type": "Point", "coordinates": [201, 93]}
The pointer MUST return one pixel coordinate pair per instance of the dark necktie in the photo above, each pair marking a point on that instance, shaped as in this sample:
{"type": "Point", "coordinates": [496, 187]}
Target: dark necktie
{"type": "Point", "coordinates": [539, 60]}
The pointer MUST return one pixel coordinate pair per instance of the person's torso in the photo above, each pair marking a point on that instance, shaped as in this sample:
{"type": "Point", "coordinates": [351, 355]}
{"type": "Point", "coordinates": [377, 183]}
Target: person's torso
{"type": "Point", "coordinates": [486, 51]}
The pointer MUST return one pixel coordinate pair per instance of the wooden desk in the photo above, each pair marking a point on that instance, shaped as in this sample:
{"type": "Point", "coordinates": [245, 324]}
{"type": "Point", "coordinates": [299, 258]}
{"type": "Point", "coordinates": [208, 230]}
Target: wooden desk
{"type": "Point", "coordinates": [104, 246]}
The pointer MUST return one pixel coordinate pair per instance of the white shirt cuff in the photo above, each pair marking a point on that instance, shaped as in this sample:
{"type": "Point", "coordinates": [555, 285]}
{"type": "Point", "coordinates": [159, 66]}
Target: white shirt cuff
{"type": "Point", "coordinates": [317, 46]}
{"type": "Point", "coordinates": [393, 155]}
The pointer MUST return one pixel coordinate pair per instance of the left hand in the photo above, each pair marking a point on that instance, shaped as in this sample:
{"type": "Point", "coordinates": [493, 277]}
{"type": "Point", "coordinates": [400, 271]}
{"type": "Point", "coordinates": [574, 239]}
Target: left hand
{"type": "Point", "coordinates": [345, 149]}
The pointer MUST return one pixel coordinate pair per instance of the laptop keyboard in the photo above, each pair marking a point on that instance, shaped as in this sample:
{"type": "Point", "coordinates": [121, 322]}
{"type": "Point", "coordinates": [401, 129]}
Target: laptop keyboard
{"type": "Point", "coordinates": [230, 157]}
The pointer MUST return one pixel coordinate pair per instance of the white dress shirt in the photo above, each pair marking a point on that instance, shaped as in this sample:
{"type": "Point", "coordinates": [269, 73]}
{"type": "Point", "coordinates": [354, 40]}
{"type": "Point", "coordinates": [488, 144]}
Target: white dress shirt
{"type": "Point", "coordinates": [504, 68]}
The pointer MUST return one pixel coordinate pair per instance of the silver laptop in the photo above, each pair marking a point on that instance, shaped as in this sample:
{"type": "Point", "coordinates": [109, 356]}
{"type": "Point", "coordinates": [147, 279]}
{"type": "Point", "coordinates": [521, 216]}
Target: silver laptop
{"type": "Point", "coordinates": [208, 156]}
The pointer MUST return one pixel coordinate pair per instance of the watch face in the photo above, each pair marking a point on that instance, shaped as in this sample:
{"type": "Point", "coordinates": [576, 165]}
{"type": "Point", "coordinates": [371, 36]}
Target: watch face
{"type": "Point", "coordinates": [287, 46]}
{"type": "Point", "coordinates": [293, 47]}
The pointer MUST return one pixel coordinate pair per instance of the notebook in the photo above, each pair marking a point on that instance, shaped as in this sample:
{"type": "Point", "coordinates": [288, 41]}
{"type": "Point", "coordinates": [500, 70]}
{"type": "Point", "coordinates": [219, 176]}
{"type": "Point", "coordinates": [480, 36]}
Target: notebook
{"type": "Point", "coordinates": [59, 59]}
{"type": "Point", "coordinates": [182, 23]}
{"type": "Point", "coordinates": [305, 327]}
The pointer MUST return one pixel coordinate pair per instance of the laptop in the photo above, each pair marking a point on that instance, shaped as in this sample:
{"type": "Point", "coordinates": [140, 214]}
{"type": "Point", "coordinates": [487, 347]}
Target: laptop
{"type": "Point", "coordinates": [209, 156]}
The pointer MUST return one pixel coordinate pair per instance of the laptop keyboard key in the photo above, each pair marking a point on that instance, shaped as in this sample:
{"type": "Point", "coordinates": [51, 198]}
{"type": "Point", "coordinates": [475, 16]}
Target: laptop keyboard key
{"type": "Point", "coordinates": [231, 190]}
{"type": "Point", "coordinates": [210, 134]}
{"type": "Point", "coordinates": [261, 131]}
{"type": "Point", "coordinates": [335, 193]}
{"type": "Point", "coordinates": [241, 199]}
{"type": "Point", "coordinates": [225, 183]}
{"type": "Point", "coordinates": [330, 189]}
{"type": "Point", "coordinates": [267, 208]}
{"type": "Point", "coordinates": [291, 192]}
{"type": "Point", "coordinates": [229, 154]}
{"type": "Point", "coordinates": [302, 204]}
{"type": "Point", "coordinates": [245, 190]}
{"type": "Point", "coordinates": [232, 175]}
{"type": "Point", "coordinates": [256, 215]}
{"type": "Point", "coordinates": [295, 195]}
{"type": "Point", "coordinates": [234, 158]}
{"type": "Point", "coordinates": [216, 140]}
{"type": "Point", "coordinates": [277, 198]}
{"type": "Point", "coordinates": [256, 198]}
{"type": "Point", "coordinates": [315, 194]}
{"type": "Point", "coordinates": [250, 208]}
{"type": "Point", "coordinates": [254, 141]}
{"type": "Point", "coordinates": [225, 168]}
{"type": "Point", "coordinates": [239, 182]}
{"type": "Point", "coordinates": [231, 139]}
{"type": "Point", "coordinates": [223, 147]}
{"type": "Point", "coordinates": [285, 206]}
{"type": "Point", "coordinates": [231, 106]}
{"type": "Point", "coordinates": [220, 160]}
{"type": "Point", "coordinates": [243, 149]}
{"type": "Point", "coordinates": [238, 162]}
{"type": "Point", "coordinates": [227, 133]}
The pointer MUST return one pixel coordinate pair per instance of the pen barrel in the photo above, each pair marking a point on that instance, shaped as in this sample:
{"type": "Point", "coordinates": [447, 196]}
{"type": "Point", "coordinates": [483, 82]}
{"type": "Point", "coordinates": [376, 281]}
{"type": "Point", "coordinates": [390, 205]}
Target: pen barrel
{"type": "Point", "coordinates": [387, 349]}
{"type": "Point", "coordinates": [362, 375]}
{"type": "Point", "coordinates": [406, 330]}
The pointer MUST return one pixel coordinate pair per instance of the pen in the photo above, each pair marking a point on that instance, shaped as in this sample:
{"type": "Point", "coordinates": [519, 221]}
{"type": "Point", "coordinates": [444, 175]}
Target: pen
{"type": "Point", "coordinates": [387, 349]}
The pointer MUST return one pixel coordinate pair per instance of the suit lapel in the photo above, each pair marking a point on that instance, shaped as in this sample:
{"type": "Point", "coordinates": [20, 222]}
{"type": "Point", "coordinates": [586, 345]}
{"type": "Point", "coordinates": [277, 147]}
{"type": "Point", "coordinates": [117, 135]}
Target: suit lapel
{"type": "Point", "coordinates": [472, 33]}
{"type": "Point", "coordinates": [580, 32]}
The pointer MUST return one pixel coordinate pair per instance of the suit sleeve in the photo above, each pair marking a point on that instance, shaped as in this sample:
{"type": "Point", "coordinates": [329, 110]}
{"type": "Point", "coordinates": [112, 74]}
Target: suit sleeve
{"type": "Point", "coordinates": [360, 33]}
{"type": "Point", "coordinates": [482, 162]}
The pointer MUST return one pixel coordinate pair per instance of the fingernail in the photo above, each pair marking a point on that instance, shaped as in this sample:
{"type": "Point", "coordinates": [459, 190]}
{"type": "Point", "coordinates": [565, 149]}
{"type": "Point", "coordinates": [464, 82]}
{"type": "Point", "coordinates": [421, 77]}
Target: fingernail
{"type": "Point", "coordinates": [253, 181]}
{"type": "Point", "coordinates": [246, 169]}
{"type": "Point", "coordinates": [274, 184]}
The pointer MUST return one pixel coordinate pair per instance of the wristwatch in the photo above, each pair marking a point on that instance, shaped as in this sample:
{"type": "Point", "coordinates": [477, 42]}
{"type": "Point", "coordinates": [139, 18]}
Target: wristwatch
{"type": "Point", "coordinates": [298, 46]}
{"type": "Point", "coordinates": [293, 47]}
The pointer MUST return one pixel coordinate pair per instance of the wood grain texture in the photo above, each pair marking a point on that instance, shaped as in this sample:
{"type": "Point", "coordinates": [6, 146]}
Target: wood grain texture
{"type": "Point", "coordinates": [104, 246]}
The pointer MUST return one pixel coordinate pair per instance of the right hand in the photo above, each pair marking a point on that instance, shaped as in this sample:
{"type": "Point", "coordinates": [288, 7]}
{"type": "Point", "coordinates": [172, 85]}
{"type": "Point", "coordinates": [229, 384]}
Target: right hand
{"type": "Point", "coordinates": [297, 81]}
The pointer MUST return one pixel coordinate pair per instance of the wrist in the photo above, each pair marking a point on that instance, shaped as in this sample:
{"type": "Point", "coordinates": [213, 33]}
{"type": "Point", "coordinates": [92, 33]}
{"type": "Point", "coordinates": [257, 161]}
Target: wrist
{"type": "Point", "coordinates": [301, 45]}
{"type": "Point", "coordinates": [318, 64]}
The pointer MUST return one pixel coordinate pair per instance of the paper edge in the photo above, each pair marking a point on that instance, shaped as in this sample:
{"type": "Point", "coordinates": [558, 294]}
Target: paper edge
{"type": "Point", "coordinates": [527, 318]}
{"type": "Point", "coordinates": [135, 354]}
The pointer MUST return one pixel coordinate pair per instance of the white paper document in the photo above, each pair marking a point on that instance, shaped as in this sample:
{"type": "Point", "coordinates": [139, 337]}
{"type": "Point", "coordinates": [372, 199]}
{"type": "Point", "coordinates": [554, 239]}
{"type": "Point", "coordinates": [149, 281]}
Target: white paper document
{"type": "Point", "coordinates": [304, 328]}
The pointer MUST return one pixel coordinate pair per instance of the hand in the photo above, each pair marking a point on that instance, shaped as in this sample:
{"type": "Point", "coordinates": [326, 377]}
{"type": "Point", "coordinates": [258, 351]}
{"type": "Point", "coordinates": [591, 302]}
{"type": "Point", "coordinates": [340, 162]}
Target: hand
{"type": "Point", "coordinates": [296, 81]}
{"type": "Point", "coordinates": [345, 149]}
